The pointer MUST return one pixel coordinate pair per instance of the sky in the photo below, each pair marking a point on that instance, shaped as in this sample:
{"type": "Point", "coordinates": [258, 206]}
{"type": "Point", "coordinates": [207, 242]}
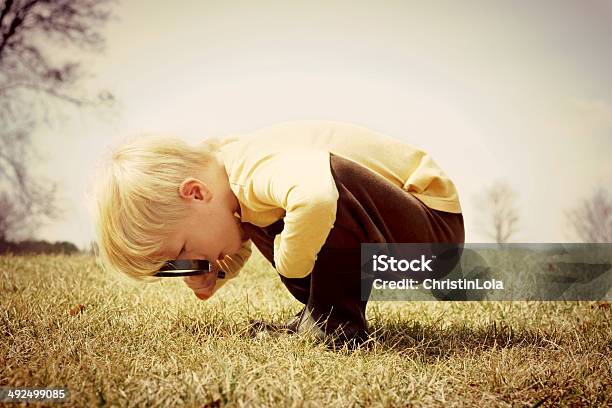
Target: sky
{"type": "Point", "coordinates": [518, 91]}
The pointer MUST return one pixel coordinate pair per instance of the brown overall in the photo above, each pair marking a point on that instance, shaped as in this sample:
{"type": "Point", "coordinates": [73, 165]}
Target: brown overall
{"type": "Point", "coordinates": [370, 209]}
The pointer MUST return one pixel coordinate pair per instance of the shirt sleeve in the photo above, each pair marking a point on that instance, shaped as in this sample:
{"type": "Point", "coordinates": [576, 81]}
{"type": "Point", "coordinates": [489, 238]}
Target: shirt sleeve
{"type": "Point", "coordinates": [299, 181]}
{"type": "Point", "coordinates": [232, 264]}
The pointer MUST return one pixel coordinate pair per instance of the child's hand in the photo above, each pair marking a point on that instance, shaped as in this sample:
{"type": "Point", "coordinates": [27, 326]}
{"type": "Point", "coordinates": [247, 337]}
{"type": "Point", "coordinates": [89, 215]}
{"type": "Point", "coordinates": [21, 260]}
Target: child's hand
{"type": "Point", "coordinates": [203, 285]}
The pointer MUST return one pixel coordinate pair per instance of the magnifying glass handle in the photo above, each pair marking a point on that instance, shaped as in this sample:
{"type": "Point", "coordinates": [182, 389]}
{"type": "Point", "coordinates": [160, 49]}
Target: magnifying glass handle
{"type": "Point", "coordinates": [176, 273]}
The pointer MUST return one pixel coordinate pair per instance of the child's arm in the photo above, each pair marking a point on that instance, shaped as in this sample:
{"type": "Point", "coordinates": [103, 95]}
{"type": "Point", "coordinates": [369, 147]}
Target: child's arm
{"type": "Point", "coordinates": [300, 182]}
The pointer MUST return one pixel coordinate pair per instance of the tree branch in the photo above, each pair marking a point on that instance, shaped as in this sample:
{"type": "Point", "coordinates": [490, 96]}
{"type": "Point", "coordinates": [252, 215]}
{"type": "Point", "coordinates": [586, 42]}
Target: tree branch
{"type": "Point", "coordinates": [20, 15]}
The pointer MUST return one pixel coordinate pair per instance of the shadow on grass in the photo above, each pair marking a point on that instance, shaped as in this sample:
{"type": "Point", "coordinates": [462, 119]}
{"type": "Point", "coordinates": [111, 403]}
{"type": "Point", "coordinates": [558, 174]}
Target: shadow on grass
{"type": "Point", "coordinates": [431, 341]}
{"type": "Point", "coordinates": [400, 336]}
{"type": "Point", "coordinates": [427, 340]}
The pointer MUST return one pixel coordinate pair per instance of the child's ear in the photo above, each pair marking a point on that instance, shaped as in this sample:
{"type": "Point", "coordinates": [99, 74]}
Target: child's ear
{"type": "Point", "coordinates": [194, 188]}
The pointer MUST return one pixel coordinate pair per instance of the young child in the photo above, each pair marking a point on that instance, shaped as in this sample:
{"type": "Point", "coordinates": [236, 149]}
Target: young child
{"type": "Point", "coordinates": [307, 193]}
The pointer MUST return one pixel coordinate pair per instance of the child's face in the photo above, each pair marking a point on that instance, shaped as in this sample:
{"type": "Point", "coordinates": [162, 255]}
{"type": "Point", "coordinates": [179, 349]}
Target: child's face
{"type": "Point", "coordinates": [210, 231]}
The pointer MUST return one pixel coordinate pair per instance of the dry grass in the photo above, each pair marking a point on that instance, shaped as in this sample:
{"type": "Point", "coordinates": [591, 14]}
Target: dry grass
{"type": "Point", "coordinates": [111, 342]}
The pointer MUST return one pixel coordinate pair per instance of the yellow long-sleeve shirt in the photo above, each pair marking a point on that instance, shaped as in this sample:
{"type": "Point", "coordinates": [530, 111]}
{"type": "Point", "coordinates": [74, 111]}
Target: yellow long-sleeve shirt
{"type": "Point", "coordinates": [283, 170]}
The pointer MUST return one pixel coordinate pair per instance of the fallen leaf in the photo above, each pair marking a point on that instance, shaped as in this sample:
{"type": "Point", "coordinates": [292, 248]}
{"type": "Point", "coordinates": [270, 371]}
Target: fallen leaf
{"type": "Point", "coordinates": [77, 309]}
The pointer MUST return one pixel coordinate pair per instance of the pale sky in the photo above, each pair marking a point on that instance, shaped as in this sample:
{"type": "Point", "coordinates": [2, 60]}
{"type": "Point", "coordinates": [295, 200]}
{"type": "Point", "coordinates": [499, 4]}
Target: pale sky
{"type": "Point", "coordinates": [513, 90]}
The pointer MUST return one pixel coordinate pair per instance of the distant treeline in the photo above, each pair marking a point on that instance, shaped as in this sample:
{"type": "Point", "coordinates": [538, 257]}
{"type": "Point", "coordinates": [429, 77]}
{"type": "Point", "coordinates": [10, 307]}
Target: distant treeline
{"type": "Point", "coordinates": [37, 247]}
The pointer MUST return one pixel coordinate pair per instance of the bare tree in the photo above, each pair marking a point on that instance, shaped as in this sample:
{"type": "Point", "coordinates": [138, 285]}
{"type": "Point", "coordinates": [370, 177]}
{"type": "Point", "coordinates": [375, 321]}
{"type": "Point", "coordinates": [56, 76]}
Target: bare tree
{"type": "Point", "coordinates": [26, 199]}
{"type": "Point", "coordinates": [592, 218]}
{"type": "Point", "coordinates": [498, 210]}
{"type": "Point", "coordinates": [30, 80]}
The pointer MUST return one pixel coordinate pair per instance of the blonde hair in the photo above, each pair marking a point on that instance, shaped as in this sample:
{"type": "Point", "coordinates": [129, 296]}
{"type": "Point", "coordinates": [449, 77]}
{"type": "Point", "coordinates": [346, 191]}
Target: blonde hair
{"type": "Point", "coordinates": [136, 201]}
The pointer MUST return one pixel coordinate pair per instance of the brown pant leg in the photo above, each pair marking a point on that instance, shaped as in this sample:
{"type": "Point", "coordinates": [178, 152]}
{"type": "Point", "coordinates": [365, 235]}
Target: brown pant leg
{"type": "Point", "coordinates": [370, 209]}
{"type": "Point", "coordinates": [263, 238]}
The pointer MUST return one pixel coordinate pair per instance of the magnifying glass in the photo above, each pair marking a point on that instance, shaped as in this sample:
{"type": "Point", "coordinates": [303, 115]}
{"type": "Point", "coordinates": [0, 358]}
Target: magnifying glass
{"type": "Point", "coordinates": [187, 267]}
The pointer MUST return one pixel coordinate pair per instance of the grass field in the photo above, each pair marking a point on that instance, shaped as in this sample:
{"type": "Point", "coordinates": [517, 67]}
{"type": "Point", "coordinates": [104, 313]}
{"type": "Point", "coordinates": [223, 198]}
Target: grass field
{"type": "Point", "coordinates": [112, 342]}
